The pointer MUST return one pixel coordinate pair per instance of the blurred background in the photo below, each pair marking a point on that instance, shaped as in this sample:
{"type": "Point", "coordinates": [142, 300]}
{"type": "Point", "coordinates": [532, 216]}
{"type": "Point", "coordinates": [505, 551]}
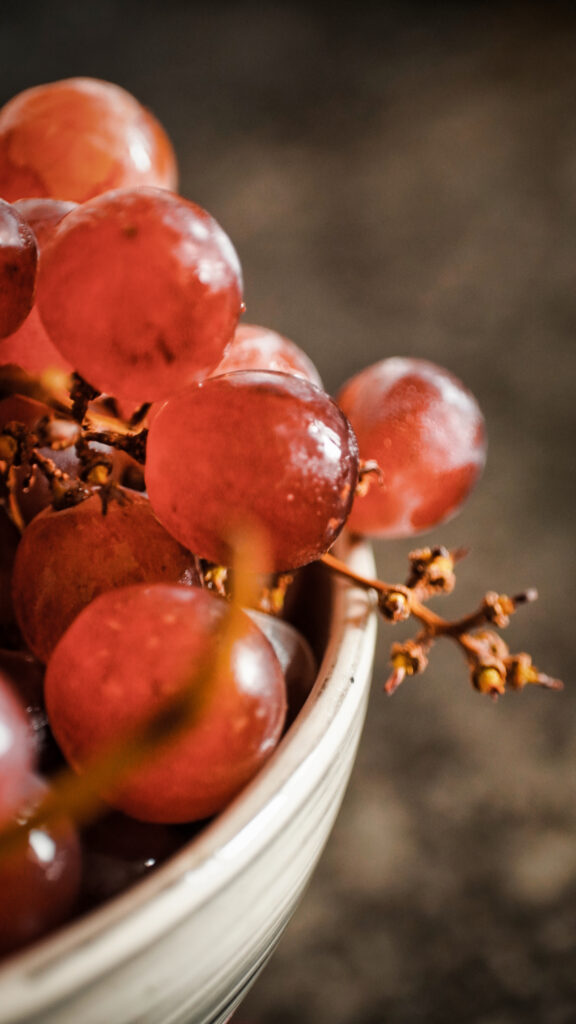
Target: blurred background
{"type": "Point", "coordinates": [400, 179]}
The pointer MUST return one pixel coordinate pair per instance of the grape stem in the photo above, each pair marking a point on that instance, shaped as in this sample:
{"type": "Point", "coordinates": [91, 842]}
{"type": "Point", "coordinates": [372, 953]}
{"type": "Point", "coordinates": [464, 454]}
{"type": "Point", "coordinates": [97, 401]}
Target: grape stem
{"type": "Point", "coordinates": [81, 394]}
{"type": "Point", "coordinates": [14, 510]}
{"type": "Point", "coordinates": [493, 669]}
{"type": "Point", "coordinates": [132, 444]}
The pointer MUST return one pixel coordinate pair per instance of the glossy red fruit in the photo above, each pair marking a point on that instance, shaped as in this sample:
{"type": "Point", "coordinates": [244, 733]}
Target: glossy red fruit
{"type": "Point", "coordinates": [16, 748]}
{"type": "Point", "coordinates": [78, 137]}
{"type": "Point", "coordinates": [259, 348]}
{"type": "Point", "coordinates": [426, 432]}
{"type": "Point", "coordinates": [26, 677]}
{"type": "Point", "coordinates": [295, 656]}
{"type": "Point", "coordinates": [66, 558]}
{"type": "Point", "coordinates": [18, 262]}
{"type": "Point", "coordinates": [9, 540]}
{"type": "Point", "coordinates": [140, 290]}
{"type": "Point", "coordinates": [39, 881]}
{"type": "Point", "coordinates": [29, 347]}
{"type": "Point", "coordinates": [133, 649]}
{"type": "Point", "coordinates": [43, 215]}
{"type": "Point", "coordinates": [252, 448]}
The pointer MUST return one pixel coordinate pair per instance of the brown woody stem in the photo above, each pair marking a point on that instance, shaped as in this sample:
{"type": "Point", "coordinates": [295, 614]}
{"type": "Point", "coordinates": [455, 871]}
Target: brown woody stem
{"type": "Point", "coordinates": [418, 610]}
{"type": "Point", "coordinates": [132, 444]}
{"type": "Point", "coordinates": [493, 668]}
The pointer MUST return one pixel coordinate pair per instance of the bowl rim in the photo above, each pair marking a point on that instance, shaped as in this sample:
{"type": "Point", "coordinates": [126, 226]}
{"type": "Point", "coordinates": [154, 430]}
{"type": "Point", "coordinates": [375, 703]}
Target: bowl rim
{"type": "Point", "coordinates": [74, 956]}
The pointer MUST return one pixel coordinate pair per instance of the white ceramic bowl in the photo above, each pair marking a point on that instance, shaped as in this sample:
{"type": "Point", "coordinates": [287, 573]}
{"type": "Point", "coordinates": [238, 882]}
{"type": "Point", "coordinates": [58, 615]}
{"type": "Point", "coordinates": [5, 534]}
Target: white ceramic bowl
{"type": "Point", "coordinates": [184, 945]}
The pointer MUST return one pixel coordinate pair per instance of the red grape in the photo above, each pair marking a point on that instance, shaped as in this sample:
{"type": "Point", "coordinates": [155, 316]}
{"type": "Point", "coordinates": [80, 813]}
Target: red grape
{"type": "Point", "coordinates": [65, 558]}
{"type": "Point", "coordinates": [76, 138]}
{"type": "Point", "coordinates": [426, 432]}
{"type": "Point", "coordinates": [16, 748]}
{"type": "Point", "coordinates": [252, 447]}
{"type": "Point", "coordinates": [259, 348]}
{"type": "Point", "coordinates": [141, 291]}
{"type": "Point", "coordinates": [26, 677]}
{"type": "Point", "coordinates": [130, 651]}
{"type": "Point", "coordinates": [9, 540]}
{"type": "Point", "coordinates": [30, 347]}
{"type": "Point", "coordinates": [295, 656]}
{"type": "Point", "coordinates": [39, 882]}
{"type": "Point", "coordinates": [18, 261]}
{"type": "Point", "coordinates": [43, 215]}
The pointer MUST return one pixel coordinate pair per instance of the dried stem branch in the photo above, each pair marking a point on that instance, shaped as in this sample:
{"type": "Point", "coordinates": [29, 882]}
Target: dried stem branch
{"type": "Point", "coordinates": [493, 669]}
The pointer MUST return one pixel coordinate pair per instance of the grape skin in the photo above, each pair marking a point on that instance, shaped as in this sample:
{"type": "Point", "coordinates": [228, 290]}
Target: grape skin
{"type": "Point", "coordinates": [259, 348]}
{"type": "Point", "coordinates": [78, 137]}
{"type": "Point", "coordinates": [18, 263]}
{"type": "Point", "coordinates": [426, 432]}
{"type": "Point", "coordinates": [26, 677]}
{"type": "Point", "coordinates": [30, 347]}
{"type": "Point", "coordinates": [65, 558]}
{"type": "Point", "coordinates": [39, 882]}
{"type": "Point", "coordinates": [9, 540]}
{"type": "Point", "coordinates": [295, 656]}
{"type": "Point", "coordinates": [252, 448]}
{"type": "Point", "coordinates": [140, 290]}
{"type": "Point", "coordinates": [132, 649]}
{"type": "Point", "coordinates": [43, 215]}
{"type": "Point", "coordinates": [16, 748]}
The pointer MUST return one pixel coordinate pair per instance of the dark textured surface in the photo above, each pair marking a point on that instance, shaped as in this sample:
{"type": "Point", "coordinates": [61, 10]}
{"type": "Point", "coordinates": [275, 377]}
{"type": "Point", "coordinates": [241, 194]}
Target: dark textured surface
{"type": "Point", "coordinates": [402, 180]}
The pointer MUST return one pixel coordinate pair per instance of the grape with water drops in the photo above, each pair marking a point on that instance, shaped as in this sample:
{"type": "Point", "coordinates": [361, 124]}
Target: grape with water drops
{"type": "Point", "coordinates": [140, 290]}
{"type": "Point", "coordinates": [252, 447]}
{"type": "Point", "coordinates": [131, 651]}
{"type": "Point", "coordinates": [426, 432]}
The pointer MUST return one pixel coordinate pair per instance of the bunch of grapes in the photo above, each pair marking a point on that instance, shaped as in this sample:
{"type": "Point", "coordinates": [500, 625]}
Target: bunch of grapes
{"type": "Point", "coordinates": [165, 473]}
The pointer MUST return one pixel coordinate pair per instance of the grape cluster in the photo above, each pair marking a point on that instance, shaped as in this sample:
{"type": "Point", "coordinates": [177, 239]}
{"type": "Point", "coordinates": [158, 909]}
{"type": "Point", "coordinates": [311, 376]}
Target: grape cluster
{"type": "Point", "coordinates": [149, 444]}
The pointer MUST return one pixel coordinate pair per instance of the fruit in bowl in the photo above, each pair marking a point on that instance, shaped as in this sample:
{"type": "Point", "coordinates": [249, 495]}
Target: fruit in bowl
{"type": "Point", "coordinates": [167, 476]}
{"type": "Point", "coordinates": [202, 924]}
